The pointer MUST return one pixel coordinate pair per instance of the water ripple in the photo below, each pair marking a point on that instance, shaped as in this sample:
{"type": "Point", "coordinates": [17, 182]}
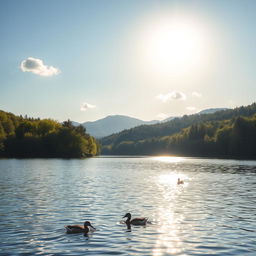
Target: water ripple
{"type": "Point", "coordinates": [212, 213]}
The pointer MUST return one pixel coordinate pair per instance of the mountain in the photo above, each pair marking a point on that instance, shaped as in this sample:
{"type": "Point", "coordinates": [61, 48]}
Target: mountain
{"type": "Point", "coordinates": [202, 112]}
{"type": "Point", "coordinates": [168, 119]}
{"type": "Point", "coordinates": [147, 139]}
{"type": "Point", "coordinates": [117, 123]}
{"type": "Point", "coordinates": [211, 110]}
{"type": "Point", "coordinates": [113, 124]}
{"type": "Point", "coordinates": [75, 123]}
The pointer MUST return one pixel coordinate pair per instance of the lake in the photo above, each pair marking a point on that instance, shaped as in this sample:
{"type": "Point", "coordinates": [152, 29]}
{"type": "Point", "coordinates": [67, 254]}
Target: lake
{"type": "Point", "coordinates": [212, 213]}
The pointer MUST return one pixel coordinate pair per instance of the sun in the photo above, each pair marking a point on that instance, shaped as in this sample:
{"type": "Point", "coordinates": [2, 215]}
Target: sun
{"type": "Point", "coordinates": [175, 46]}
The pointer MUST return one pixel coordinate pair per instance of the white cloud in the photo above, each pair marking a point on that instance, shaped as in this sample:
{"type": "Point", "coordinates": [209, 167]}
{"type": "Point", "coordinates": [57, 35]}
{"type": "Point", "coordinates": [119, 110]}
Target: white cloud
{"type": "Point", "coordinates": [197, 94]}
{"type": "Point", "coordinates": [162, 116]}
{"type": "Point", "coordinates": [36, 66]}
{"type": "Point", "coordinates": [191, 108]}
{"type": "Point", "coordinates": [85, 106]}
{"type": "Point", "coordinates": [175, 95]}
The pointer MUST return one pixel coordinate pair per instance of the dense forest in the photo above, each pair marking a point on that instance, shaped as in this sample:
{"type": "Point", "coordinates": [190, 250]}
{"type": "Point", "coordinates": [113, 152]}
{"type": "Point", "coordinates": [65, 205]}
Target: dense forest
{"type": "Point", "coordinates": [28, 137]}
{"type": "Point", "coordinates": [227, 133]}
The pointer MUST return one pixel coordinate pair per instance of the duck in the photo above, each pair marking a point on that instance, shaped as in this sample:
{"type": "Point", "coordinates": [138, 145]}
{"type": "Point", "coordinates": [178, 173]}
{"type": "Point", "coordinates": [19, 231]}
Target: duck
{"type": "Point", "coordinates": [71, 229]}
{"type": "Point", "coordinates": [179, 182]}
{"type": "Point", "coordinates": [135, 221]}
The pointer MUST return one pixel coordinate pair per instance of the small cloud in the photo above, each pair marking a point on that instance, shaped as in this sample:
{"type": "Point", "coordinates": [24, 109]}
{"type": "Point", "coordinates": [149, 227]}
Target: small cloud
{"type": "Point", "coordinates": [191, 108]}
{"type": "Point", "coordinates": [162, 116]}
{"type": "Point", "coordinates": [175, 95]}
{"type": "Point", "coordinates": [36, 66]}
{"type": "Point", "coordinates": [197, 94]}
{"type": "Point", "coordinates": [85, 106]}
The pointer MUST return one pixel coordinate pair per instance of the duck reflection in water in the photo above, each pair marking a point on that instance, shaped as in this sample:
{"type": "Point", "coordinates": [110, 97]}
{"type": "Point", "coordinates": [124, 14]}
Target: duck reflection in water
{"type": "Point", "coordinates": [129, 228]}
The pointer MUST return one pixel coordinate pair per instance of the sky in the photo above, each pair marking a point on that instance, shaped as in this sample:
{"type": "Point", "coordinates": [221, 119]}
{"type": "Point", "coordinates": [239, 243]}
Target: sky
{"type": "Point", "coordinates": [83, 60]}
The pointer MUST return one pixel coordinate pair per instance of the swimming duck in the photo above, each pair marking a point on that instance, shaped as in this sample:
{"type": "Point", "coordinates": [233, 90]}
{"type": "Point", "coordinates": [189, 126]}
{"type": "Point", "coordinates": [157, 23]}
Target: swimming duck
{"type": "Point", "coordinates": [179, 182]}
{"type": "Point", "coordinates": [79, 228]}
{"type": "Point", "coordinates": [135, 221]}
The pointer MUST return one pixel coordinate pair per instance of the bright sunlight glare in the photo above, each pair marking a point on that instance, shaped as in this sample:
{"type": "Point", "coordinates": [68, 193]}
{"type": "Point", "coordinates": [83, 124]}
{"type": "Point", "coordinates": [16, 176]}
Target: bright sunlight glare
{"type": "Point", "coordinates": [169, 159]}
{"type": "Point", "coordinates": [175, 46]}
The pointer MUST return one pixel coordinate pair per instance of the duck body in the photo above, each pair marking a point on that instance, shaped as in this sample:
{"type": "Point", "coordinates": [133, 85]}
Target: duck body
{"type": "Point", "coordinates": [71, 229]}
{"type": "Point", "coordinates": [135, 221]}
{"type": "Point", "coordinates": [179, 182]}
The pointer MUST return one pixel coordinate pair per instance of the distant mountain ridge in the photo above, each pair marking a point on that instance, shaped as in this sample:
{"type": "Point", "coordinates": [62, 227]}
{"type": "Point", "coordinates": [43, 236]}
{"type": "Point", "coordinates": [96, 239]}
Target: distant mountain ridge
{"type": "Point", "coordinates": [113, 124]}
{"type": "Point", "coordinates": [211, 110]}
{"type": "Point", "coordinates": [116, 123]}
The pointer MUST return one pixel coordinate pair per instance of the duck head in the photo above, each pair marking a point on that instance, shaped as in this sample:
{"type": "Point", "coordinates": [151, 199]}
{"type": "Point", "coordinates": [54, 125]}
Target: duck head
{"type": "Point", "coordinates": [127, 215]}
{"type": "Point", "coordinates": [88, 224]}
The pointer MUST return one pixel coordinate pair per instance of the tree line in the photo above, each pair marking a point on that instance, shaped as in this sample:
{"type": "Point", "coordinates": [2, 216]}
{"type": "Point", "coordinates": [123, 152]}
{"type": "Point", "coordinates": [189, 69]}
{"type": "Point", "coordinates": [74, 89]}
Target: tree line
{"type": "Point", "coordinates": [175, 125]}
{"type": "Point", "coordinates": [29, 137]}
{"type": "Point", "coordinates": [228, 133]}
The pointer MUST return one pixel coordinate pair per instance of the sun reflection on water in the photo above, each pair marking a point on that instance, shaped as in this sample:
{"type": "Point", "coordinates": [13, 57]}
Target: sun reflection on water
{"type": "Point", "coordinates": [168, 240]}
{"type": "Point", "coordinates": [169, 213]}
{"type": "Point", "coordinates": [169, 159]}
{"type": "Point", "coordinates": [172, 179]}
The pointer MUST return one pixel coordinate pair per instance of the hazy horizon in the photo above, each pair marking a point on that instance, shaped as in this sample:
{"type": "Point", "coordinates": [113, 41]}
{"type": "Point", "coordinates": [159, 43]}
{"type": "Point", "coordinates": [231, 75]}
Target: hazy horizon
{"type": "Point", "coordinates": [85, 60]}
{"type": "Point", "coordinates": [156, 119]}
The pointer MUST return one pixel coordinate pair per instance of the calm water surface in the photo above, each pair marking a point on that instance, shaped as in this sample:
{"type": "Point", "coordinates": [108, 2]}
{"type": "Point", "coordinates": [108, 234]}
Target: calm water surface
{"type": "Point", "coordinates": [213, 213]}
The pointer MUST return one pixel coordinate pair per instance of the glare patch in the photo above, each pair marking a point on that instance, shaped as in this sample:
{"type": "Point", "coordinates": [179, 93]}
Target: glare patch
{"type": "Point", "coordinates": [169, 159]}
{"type": "Point", "coordinates": [175, 46]}
{"type": "Point", "coordinates": [171, 244]}
{"type": "Point", "coordinates": [168, 219]}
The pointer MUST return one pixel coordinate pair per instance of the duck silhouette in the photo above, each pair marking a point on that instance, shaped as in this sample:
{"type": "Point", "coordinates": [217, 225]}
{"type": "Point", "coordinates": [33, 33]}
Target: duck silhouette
{"type": "Point", "coordinates": [179, 182]}
{"type": "Point", "coordinates": [135, 221]}
{"type": "Point", "coordinates": [71, 229]}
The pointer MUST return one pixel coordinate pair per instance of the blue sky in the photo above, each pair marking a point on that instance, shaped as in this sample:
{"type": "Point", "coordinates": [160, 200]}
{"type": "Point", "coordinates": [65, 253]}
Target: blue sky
{"type": "Point", "coordinates": [84, 60]}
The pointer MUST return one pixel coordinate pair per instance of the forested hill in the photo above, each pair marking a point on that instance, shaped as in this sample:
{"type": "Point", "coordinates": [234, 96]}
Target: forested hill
{"type": "Point", "coordinates": [227, 133]}
{"type": "Point", "coordinates": [29, 137]}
